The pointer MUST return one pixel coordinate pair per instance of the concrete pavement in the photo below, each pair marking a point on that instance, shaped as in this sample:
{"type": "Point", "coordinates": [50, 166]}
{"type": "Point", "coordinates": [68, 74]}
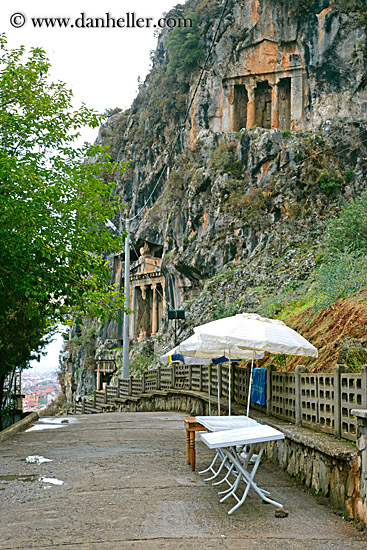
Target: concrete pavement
{"type": "Point", "coordinates": [126, 485]}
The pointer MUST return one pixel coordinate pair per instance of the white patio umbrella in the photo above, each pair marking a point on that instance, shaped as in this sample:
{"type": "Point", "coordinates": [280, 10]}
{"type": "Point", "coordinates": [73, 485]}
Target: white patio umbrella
{"type": "Point", "coordinates": [196, 347]}
{"type": "Point", "coordinates": [249, 331]}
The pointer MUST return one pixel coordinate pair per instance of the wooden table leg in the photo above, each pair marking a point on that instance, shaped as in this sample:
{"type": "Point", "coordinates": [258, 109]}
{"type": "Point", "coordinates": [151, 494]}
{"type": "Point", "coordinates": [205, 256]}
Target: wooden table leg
{"type": "Point", "coordinates": [191, 427]}
{"type": "Point", "coordinates": [188, 446]}
{"type": "Point", "coordinates": [192, 450]}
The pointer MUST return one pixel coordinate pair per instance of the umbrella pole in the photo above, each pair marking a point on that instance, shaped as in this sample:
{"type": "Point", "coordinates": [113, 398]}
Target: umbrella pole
{"type": "Point", "coordinates": [218, 384]}
{"type": "Point", "coordinates": [250, 384]}
{"type": "Point", "coordinates": [229, 384]}
{"type": "Point", "coordinates": [209, 384]}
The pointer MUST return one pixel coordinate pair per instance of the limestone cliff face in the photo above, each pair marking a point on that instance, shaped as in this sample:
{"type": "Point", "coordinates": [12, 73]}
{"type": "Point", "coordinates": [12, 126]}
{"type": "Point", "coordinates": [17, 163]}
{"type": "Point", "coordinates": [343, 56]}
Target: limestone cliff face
{"type": "Point", "coordinates": [234, 189]}
{"type": "Point", "coordinates": [275, 143]}
{"type": "Point", "coordinates": [314, 62]}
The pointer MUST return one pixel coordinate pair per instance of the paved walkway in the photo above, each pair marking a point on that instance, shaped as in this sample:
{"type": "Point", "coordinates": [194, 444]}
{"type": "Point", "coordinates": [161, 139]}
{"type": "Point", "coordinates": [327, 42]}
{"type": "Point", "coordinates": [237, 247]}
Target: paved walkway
{"type": "Point", "coordinates": [127, 486]}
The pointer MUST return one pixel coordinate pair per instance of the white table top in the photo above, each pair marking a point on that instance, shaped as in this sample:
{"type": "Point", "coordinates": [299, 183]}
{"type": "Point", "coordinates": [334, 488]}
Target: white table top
{"type": "Point", "coordinates": [242, 436]}
{"type": "Point", "coordinates": [217, 423]}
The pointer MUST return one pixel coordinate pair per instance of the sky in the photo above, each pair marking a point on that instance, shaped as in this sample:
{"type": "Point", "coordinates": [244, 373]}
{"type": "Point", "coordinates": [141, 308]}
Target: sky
{"type": "Point", "coordinates": [100, 65]}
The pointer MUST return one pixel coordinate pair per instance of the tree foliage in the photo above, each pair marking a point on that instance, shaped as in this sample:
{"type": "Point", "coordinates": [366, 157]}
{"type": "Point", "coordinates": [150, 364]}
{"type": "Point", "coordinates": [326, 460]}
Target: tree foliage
{"type": "Point", "coordinates": [55, 199]}
{"type": "Point", "coordinates": [185, 50]}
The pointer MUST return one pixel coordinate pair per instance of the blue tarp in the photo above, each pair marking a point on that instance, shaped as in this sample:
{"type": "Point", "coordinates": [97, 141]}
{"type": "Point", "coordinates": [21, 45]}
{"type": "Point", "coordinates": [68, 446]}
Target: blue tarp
{"type": "Point", "coordinates": [223, 359]}
{"type": "Point", "coordinates": [258, 389]}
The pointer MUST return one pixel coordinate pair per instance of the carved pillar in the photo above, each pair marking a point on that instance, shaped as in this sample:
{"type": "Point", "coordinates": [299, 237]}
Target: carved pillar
{"type": "Point", "coordinates": [251, 110]}
{"type": "Point", "coordinates": [164, 304]}
{"type": "Point", "coordinates": [226, 108]}
{"type": "Point", "coordinates": [144, 291]}
{"type": "Point", "coordinates": [133, 307]}
{"type": "Point", "coordinates": [275, 106]}
{"type": "Point", "coordinates": [297, 101]}
{"type": "Point", "coordinates": [154, 310]}
{"type": "Point", "coordinates": [230, 123]}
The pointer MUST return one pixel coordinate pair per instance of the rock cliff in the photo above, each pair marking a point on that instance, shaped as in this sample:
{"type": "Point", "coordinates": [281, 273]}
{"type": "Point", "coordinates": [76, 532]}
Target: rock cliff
{"type": "Point", "coordinates": [274, 144]}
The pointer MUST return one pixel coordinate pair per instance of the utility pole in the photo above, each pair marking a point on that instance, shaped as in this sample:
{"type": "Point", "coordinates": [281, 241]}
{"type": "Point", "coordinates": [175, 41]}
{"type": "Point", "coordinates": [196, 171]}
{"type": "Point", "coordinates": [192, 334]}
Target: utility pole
{"type": "Point", "coordinates": [125, 355]}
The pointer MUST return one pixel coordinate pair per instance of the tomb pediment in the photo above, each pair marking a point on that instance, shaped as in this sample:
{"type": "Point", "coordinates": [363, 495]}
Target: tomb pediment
{"type": "Point", "coordinates": [268, 56]}
{"type": "Point", "coordinates": [146, 264]}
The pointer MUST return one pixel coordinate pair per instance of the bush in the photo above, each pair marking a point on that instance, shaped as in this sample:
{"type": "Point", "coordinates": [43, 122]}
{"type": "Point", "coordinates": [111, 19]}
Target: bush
{"type": "Point", "coordinates": [185, 50]}
{"type": "Point", "coordinates": [342, 274]}
{"type": "Point", "coordinates": [221, 310]}
{"type": "Point", "coordinates": [343, 269]}
{"type": "Point", "coordinates": [329, 182]}
{"type": "Point", "coordinates": [223, 160]}
{"type": "Point", "coordinates": [348, 232]}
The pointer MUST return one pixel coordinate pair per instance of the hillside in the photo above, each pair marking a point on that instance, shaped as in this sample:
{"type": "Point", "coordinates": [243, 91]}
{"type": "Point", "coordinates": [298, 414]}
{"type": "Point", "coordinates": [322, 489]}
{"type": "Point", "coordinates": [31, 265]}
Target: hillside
{"type": "Point", "coordinates": [274, 147]}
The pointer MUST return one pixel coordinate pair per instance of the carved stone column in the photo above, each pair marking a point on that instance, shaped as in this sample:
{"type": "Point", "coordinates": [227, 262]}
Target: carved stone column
{"type": "Point", "coordinates": [297, 101]}
{"type": "Point", "coordinates": [275, 106]}
{"type": "Point", "coordinates": [251, 109]}
{"type": "Point", "coordinates": [143, 288]}
{"type": "Point", "coordinates": [133, 307]}
{"type": "Point", "coordinates": [154, 310]}
{"type": "Point", "coordinates": [229, 124]}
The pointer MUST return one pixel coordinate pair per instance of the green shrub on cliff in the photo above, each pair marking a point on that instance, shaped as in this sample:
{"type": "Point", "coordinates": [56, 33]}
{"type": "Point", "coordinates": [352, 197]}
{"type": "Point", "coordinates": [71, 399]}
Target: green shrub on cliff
{"type": "Point", "coordinates": [343, 271]}
{"type": "Point", "coordinates": [185, 50]}
{"type": "Point", "coordinates": [349, 230]}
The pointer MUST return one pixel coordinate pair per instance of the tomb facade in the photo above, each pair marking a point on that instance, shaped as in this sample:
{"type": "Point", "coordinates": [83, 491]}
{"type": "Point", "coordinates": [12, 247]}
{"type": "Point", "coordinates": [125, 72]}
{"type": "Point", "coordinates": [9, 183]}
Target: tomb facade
{"type": "Point", "coordinates": [268, 91]}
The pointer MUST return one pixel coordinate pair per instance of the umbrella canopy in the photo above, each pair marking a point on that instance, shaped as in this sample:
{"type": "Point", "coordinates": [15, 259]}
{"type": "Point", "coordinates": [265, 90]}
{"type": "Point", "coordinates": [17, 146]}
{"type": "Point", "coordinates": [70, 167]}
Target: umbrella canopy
{"type": "Point", "coordinates": [196, 346]}
{"type": "Point", "coordinates": [177, 356]}
{"type": "Point", "coordinates": [249, 331]}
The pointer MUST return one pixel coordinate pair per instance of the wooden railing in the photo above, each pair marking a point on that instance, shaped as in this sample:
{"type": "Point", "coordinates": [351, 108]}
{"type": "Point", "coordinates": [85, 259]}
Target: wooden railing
{"type": "Point", "coordinates": [319, 401]}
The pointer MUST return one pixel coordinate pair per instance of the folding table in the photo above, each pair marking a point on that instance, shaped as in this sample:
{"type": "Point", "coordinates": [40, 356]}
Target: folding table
{"type": "Point", "coordinates": [217, 423]}
{"type": "Point", "coordinates": [227, 440]}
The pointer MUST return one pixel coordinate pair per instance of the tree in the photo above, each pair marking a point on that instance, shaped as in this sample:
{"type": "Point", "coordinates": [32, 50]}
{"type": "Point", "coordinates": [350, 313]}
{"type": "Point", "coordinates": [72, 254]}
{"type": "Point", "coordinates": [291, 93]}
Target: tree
{"type": "Point", "coordinates": [55, 199]}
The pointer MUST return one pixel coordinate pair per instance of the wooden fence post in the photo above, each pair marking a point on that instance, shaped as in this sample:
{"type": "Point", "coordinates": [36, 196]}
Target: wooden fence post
{"type": "Point", "coordinates": [364, 386]}
{"type": "Point", "coordinates": [105, 394]}
{"type": "Point", "coordinates": [94, 399]}
{"type": "Point", "coordinates": [220, 380]}
{"type": "Point", "coordinates": [83, 405]}
{"type": "Point", "coordinates": [298, 390]}
{"type": "Point", "coordinates": [337, 399]}
{"type": "Point", "coordinates": [173, 376]}
{"type": "Point", "coordinates": [130, 386]}
{"type": "Point", "coordinates": [143, 383]}
{"type": "Point", "coordinates": [118, 387]}
{"type": "Point", "coordinates": [200, 378]}
{"type": "Point", "coordinates": [231, 389]}
{"type": "Point", "coordinates": [190, 377]}
{"type": "Point", "coordinates": [269, 402]}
